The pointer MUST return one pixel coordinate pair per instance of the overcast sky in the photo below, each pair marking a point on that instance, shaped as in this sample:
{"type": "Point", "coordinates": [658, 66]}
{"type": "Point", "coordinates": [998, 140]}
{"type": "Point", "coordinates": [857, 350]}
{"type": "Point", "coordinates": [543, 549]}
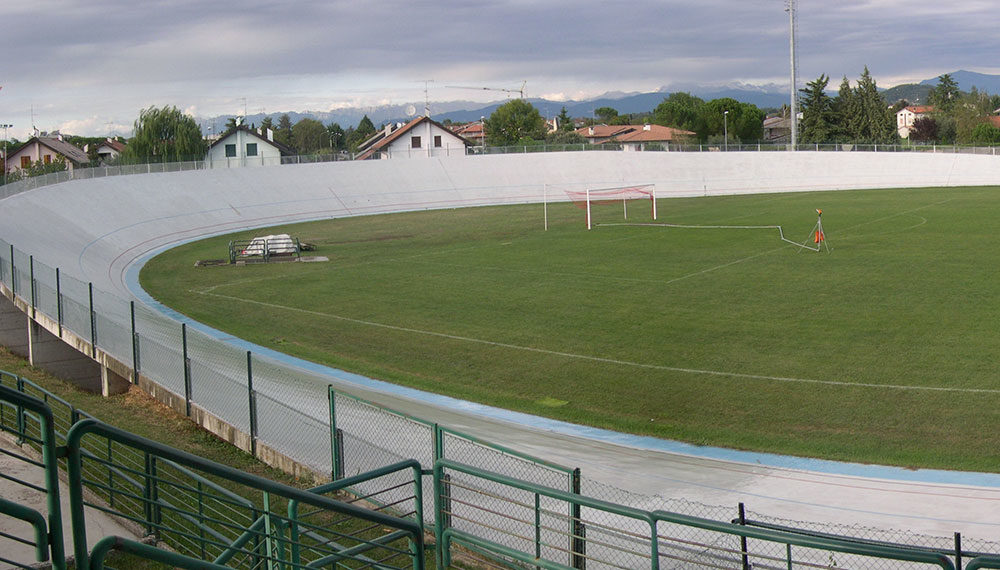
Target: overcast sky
{"type": "Point", "coordinates": [88, 66]}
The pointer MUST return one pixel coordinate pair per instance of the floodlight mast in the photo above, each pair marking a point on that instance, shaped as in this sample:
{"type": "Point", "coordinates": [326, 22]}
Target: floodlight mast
{"type": "Point", "coordinates": [794, 100]}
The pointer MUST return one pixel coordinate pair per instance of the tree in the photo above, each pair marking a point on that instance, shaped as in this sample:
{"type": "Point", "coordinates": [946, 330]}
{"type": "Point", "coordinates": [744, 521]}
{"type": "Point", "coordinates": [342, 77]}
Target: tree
{"type": "Point", "coordinates": [683, 111]}
{"type": "Point", "coordinates": [231, 124]}
{"type": "Point", "coordinates": [986, 133]}
{"type": "Point", "coordinates": [309, 136]}
{"type": "Point", "coordinates": [818, 121]}
{"type": "Point", "coordinates": [970, 111]}
{"type": "Point", "coordinates": [944, 96]}
{"type": "Point", "coordinates": [165, 134]}
{"type": "Point", "coordinates": [513, 122]}
{"type": "Point", "coordinates": [843, 108]}
{"type": "Point", "coordinates": [924, 129]}
{"type": "Point", "coordinates": [338, 139]}
{"type": "Point", "coordinates": [869, 119]}
{"type": "Point", "coordinates": [564, 121]}
{"type": "Point", "coordinates": [361, 133]}
{"type": "Point", "coordinates": [266, 124]}
{"type": "Point", "coordinates": [283, 134]}
{"type": "Point", "coordinates": [743, 122]}
{"type": "Point", "coordinates": [606, 115]}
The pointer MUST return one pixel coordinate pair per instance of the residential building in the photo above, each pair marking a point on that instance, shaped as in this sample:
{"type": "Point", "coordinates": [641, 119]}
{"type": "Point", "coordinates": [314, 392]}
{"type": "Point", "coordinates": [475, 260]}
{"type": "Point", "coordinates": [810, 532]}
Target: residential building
{"type": "Point", "coordinates": [633, 137]}
{"type": "Point", "coordinates": [905, 118]}
{"type": "Point", "coordinates": [244, 146]}
{"type": "Point", "coordinates": [777, 129]}
{"type": "Point", "coordinates": [110, 149]}
{"type": "Point", "coordinates": [420, 137]}
{"type": "Point", "coordinates": [472, 132]}
{"type": "Point", "coordinates": [46, 149]}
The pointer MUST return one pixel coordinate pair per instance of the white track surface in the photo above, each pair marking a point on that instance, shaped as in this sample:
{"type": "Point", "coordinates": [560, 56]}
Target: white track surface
{"type": "Point", "coordinates": [99, 230]}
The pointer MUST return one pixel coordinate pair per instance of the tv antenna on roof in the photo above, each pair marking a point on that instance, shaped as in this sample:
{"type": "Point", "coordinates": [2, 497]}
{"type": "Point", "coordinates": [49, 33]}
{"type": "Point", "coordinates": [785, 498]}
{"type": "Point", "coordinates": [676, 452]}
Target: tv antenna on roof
{"type": "Point", "coordinates": [427, 101]}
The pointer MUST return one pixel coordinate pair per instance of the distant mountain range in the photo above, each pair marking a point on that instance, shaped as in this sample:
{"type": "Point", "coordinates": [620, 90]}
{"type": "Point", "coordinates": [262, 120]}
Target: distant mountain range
{"type": "Point", "coordinates": [765, 97]}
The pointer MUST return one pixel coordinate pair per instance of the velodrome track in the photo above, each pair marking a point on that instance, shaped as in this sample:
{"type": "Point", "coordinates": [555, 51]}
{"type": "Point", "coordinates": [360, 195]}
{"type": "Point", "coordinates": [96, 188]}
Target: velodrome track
{"type": "Point", "coordinates": [102, 230]}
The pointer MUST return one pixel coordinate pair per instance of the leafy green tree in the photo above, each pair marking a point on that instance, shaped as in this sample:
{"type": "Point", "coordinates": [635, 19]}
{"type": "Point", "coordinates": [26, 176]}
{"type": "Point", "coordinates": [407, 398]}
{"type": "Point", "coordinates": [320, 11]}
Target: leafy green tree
{"type": "Point", "coordinates": [165, 134]}
{"type": "Point", "coordinates": [309, 136]}
{"type": "Point", "coordinates": [818, 120]}
{"type": "Point", "coordinates": [683, 111]}
{"type": "Point", "coordinates": [513, 122]}
{"type": "Point", "coordinates": [564, 137]}
{"type": "Point", "coordinates": [743, 122]}
{"type": "Point", "coordinates": [985, 133]}
{"type": "Point", "coordinates": [37, 168]}
{"type": "Point", "coordinates": [283, 133]}
{"type": "Point", "coordinates": [971, 110]}
{"type": "Point", "coordinates": [945, 95]}
{"type": "Point", "coordinates": [231, 124]}
{"type": "Point", "coordinates": [265, 124]}
{"type": "Point", "coordinates": [606, 115]}
{"type": "Point", "coordinates": [338, 138]}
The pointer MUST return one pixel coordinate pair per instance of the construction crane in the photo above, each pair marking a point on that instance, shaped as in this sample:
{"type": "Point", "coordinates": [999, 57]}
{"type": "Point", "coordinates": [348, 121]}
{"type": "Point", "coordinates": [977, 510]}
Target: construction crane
{"type": "Point", "coordinates": [519, 91]}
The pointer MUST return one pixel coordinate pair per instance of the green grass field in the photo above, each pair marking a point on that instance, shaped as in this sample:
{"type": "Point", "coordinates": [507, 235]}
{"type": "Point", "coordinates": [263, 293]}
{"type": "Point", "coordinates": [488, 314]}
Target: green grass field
{"type": "Point", "coordinates": [882, 351]}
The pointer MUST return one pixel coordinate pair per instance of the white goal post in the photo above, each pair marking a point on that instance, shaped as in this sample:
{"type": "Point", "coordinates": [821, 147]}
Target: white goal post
{"type": "Point", "coordinates": [588, 198]}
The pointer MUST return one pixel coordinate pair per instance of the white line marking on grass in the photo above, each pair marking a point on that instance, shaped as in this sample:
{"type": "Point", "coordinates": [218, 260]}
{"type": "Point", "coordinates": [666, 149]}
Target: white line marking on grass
{"type": "Point", "coordinates": [606, 360]}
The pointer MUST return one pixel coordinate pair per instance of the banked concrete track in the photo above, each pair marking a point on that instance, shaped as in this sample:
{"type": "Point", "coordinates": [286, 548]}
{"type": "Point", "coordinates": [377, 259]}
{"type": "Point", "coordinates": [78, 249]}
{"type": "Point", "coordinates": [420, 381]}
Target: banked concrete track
{"type": "Point", "coordinates": [101, 230]}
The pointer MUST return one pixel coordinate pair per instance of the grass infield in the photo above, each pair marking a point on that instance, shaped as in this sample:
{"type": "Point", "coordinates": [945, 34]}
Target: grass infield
{"type": "Point", "coordinates": [882, 351]}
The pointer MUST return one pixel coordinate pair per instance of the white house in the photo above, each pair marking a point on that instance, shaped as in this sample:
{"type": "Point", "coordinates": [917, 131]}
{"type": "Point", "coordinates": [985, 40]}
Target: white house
{"type": "Point", "coordinates": [244, 146]}
{"type": "Point", "coordinates": [906, 116]}
{"type": "Point", "coordinates": [420, 137]}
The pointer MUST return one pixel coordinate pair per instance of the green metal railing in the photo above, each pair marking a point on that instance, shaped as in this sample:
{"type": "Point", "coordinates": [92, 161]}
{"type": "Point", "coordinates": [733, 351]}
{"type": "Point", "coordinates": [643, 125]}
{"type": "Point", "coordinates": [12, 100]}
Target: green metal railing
{"type": "Point", "coordinates": [32, 422]}
{"type": "Point", "coordinates": [262, 538]}
{"type": "Point", "coordinates": [623, 537]}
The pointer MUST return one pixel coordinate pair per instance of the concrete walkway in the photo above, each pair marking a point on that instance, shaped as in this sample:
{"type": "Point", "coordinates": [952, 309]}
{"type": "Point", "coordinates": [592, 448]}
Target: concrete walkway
{"type": "Point", "coordinates": [99, 524]}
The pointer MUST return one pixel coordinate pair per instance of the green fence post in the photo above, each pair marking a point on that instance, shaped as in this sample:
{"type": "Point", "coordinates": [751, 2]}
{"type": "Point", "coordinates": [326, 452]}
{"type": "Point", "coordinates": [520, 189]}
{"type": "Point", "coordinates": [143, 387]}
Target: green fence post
{"type": "Point", "coordinates": [252, 400]}
{"type": "Point", "coordinates": [135, 345]}
{"type": "Point", "coordinates": [93, 322]}
{"type": "Point", "coordinates": [336, 438]}
{"type": "Point", "coordinates": [958, 550]}
{"type": "Point", "coordinates": [31, 275]}
{"type": "Point", "coordinates": [147, 491]}
{"type": "Point", "coordinates": [578, 546]}
{"type": "Point", "coordinates": [743, 538]}
{"type": "Point", "coordinates": [187, 370]}
{"type": "Point", "coordinates": [59, 306]}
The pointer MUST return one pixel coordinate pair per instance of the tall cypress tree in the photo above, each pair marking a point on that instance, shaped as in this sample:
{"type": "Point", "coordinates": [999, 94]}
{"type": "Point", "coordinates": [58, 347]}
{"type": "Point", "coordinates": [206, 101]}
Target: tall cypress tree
{"type": "Point", "coordinates": [873, 119]}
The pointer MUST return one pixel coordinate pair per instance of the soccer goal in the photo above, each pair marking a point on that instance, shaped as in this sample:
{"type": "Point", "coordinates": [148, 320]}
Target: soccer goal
{"type": "Point", "coordinates": [594, 200]}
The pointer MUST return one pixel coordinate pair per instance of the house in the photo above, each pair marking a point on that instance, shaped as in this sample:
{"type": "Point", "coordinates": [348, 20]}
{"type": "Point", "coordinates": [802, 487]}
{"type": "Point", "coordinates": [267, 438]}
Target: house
{"type": "Point", "coordinates": [633, 137]}
{"type": "Point", "coordinates": [46, 149]}
{"type": "Point", "coordinates": [244, 146]}
{"type": "Point", "coordinates": [420, 137]}
{"type": "Point", "coordinates": [110, 149]}
{"type": "Point", "coordinates": [906, 116]}
{"type": "Point", "coordinates": [472, 132]}
{"type": "Point", "coordinates": [777, 129]}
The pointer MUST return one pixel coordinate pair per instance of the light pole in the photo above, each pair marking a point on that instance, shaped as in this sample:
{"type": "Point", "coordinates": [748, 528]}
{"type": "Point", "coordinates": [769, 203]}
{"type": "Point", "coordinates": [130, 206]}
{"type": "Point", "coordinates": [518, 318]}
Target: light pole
{"type": "Point", "coordinates": [725, 130]}
{"type": "Point", "coordinates": [5, 127]}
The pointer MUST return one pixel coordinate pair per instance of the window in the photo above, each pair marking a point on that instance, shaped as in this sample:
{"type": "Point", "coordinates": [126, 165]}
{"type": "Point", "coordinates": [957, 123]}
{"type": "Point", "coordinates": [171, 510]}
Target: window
{"type": "Point", "coordinates": [48, 159]}
{"type": "Point", "coordinates": [437, 141]}
{"type": "Point", "coordinates": [251, 149]}
{"type": "Point", "coordinates": [25, 162]}
{"type": "Point", "coordinates": [230, 150]}
{"type": "Point", "coordinates": [414, 142]}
